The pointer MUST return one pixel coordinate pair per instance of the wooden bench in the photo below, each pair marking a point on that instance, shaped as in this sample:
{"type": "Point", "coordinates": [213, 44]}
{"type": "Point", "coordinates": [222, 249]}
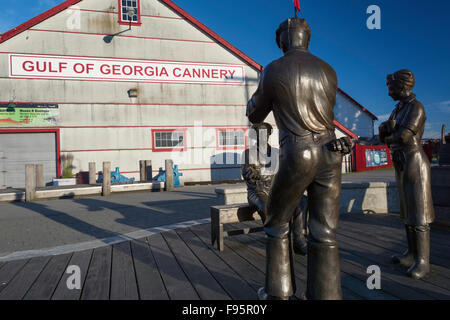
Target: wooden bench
{"type": "Point", "coordinates": [233, 213]}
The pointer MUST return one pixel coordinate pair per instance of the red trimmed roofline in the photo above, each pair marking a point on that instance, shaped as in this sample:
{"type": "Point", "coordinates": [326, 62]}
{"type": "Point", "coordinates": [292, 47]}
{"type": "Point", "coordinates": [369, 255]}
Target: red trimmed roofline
{"type": "Point", "coordinates": [61, 7]}
{"type": "Point", "coordinates": [374, 117]}
{"type": "Point", "coordinates": [212, 34]}
{"type": "Point", "coordinates": [30, 23]}
{"type": "Point", "coordinates": [346, 130]}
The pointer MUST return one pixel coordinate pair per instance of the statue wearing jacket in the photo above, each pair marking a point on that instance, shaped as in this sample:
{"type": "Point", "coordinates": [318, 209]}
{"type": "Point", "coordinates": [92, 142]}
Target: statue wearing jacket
{"type": "Point", "coordinates": [403, 133]}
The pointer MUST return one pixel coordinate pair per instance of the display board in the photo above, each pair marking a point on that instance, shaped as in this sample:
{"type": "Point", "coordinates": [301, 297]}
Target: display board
{"type": "Point", "coordinates": [29, 115]}
{"type": "Point", "coordinates": [372, 157]}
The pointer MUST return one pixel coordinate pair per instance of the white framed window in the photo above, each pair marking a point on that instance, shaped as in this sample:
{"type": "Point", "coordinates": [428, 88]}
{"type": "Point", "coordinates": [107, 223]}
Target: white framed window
{"type": "Point", "coordinates": [169, 140]}
{"type": "Point", "coordinates": [129, 12]}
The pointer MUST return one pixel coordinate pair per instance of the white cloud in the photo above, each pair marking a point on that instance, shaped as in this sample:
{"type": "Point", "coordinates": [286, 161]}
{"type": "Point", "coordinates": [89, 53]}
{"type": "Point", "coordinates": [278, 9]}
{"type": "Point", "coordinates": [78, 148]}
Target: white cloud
{"type": "Point", "coordinates": [431, 135]}
{"type": "Point", "coordinates": [48, 3]}
{"type": "Point", "coordinates": [383, 117]}
{"type": "Point", "coordinates": [443, 106]}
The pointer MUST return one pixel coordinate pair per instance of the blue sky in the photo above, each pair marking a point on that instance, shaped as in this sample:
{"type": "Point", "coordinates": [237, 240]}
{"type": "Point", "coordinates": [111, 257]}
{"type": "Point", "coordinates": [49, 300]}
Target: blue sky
{"type": "Point", "coordinates": [414, 34]}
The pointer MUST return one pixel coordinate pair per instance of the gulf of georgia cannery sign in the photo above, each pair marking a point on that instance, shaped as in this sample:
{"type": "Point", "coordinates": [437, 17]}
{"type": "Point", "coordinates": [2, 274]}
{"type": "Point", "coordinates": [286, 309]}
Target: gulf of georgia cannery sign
{"type": "Point", "coordinates": [107, 69]}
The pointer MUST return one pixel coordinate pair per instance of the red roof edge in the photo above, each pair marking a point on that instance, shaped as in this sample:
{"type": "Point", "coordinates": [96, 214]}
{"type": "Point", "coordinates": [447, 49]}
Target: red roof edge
{"type": "Point", "coordinates": [374, 117]}
{"type": "Point", "coordinates": [30, 23]}
{"type": "Point", "coordinates": [346, 130]}
{"type": "Point", "coordinates": [212, 34]}
{"type": "Point", "coordinates": [66, 4]}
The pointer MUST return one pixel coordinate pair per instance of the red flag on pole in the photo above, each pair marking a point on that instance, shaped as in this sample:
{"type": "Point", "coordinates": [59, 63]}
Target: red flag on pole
{"type": "Point", "coordinates": [297, 5]}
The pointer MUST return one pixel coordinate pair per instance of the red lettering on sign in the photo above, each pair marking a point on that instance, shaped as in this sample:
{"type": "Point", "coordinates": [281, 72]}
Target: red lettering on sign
{"type": "Point", "coordinates": [149, 71]}
{"type": "Point", "coordinates": [138, 70]}
{"type": "Point", "coordinates": [215, 74]}
{"type": "Point", "coordinates": [196, 73]}
{"type": "Point", "coordinates": [116, 70]}
{"type": "Point", "coordinates": [50, 69]}
{"type": "Point", "coordinates": [177, 72]}
{"type": "Point", "coordinates": [164, 72]}
{"type": "Point", "coordinates": [78, 68]}
{"type": "Point", "coordinates": [41, 66]}
{"type": "Point", "coordinates": [232, 73]}
{"type": "Point", "coordinates": [206, 73]}
{"type": "Point", "coordinates": [127, 70]}
{"type": "Point", "coordinates": [187, 73]}
{"type": "Point", "coordinates": [89, 67]}
{"type": "Point", "coordinates": [104, 69]}
{"type": "Point", "coordinates": [30, 66]}
{"type": "Point", "coordinates": [223, 74]}
{"type": "Point", "coordinates": [62, 66]}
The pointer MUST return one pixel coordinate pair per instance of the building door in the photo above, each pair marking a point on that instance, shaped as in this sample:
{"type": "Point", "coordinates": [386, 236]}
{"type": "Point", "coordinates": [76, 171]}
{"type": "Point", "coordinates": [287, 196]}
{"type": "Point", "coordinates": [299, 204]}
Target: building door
{"type": "Point", "coordinates": [20, 149]}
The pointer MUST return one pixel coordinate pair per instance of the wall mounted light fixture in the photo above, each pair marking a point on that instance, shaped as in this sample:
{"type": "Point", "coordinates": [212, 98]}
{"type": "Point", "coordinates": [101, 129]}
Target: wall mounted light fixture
{"type": "Point", "coordinates": [133, 93]}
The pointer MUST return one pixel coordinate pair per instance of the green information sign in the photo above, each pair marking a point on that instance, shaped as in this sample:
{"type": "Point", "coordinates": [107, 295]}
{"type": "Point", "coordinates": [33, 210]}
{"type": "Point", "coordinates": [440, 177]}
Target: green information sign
{"type": "Point", "coordinates": [29, 114]}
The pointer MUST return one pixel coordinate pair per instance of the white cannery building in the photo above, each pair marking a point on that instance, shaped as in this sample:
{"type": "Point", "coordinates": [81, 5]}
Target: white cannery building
{"type": "Point", "coordinates": [130, 80]}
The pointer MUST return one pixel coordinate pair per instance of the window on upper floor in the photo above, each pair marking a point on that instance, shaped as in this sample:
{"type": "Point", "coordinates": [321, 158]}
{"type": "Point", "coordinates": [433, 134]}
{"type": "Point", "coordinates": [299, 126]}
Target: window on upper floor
{"type": "Point", "coordinates": [130, 12]}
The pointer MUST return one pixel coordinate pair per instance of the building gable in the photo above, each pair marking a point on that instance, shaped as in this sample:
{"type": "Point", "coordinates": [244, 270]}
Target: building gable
{"type": "Point", "coordinates": [162, 21]}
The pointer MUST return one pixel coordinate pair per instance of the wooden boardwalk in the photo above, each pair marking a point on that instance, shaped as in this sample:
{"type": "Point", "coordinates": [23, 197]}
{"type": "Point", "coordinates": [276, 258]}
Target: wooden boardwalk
{"type": "Point", "coordinates": [182, 265]}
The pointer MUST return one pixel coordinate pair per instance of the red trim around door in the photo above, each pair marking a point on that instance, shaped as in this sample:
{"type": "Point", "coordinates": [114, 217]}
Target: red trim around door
{"type": "Point", "coordinates": [58, 142]}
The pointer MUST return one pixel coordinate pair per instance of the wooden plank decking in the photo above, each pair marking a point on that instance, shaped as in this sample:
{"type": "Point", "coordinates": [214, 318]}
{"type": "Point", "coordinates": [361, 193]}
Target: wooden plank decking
{"type": "Point", "coordinates": [182, 265]}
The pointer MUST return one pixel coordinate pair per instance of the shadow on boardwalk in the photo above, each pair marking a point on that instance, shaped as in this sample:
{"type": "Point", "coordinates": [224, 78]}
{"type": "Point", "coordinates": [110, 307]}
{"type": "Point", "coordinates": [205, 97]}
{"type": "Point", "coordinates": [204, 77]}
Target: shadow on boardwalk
{"type": "Point", "coordinates": [181, 264]}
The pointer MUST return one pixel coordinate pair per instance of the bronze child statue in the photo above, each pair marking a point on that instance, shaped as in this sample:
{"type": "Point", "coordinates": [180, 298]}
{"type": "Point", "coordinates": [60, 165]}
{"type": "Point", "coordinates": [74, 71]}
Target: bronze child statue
{"type": "Point", "coordinates": [258, 170]}
{"type": "Point", "coordinates": [300, 89]}
{"type": "Point", "coordinates": [403, 133]}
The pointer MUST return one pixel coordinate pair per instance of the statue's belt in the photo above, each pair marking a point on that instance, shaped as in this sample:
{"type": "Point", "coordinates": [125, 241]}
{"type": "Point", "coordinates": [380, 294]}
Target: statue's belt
{"type": "Point", "coordinates": [308, 137]}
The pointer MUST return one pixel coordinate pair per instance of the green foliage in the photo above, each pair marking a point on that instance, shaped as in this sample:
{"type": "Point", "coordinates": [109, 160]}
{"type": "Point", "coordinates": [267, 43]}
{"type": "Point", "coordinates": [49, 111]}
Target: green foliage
{"type": "Point", "coordinates": [67, 166]}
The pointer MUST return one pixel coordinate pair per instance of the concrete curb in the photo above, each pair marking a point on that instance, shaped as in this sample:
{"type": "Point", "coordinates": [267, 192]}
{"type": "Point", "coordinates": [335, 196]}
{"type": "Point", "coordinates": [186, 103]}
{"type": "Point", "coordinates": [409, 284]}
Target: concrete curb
{"type": "Point", "coordinates": [362, 197]}
{"type": "Point", "coordinates": [83, 191]}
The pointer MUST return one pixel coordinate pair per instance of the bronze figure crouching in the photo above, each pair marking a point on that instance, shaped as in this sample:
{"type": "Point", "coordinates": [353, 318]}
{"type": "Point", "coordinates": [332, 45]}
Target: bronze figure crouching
{"type": "Point", "coordinates": [258, 171]}
{"type": "Point", "coordinates": [403, 133]}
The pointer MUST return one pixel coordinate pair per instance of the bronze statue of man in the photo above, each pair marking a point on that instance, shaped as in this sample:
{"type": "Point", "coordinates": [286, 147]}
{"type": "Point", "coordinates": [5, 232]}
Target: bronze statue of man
{"type": "Point", "coordinates": [258, 170]}
{"type": "Point", "coordinates": [300, 90]}
{"type": "Point", "coordinates": [403, 133]}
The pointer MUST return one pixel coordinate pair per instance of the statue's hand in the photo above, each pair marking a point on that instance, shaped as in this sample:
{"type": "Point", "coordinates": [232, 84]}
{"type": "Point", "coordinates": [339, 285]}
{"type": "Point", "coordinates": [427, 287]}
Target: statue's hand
{"type": "Point", "coordinates": [342, 145]}
{"type": "Point", "coordinates": [251, 174]}
{"type": "Point", "coordinates": [389, 139]}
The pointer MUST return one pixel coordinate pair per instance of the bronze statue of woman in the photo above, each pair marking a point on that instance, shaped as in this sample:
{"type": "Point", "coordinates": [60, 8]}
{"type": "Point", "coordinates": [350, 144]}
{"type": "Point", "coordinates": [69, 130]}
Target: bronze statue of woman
{"type": "Point", "coordinates": [403, 133]}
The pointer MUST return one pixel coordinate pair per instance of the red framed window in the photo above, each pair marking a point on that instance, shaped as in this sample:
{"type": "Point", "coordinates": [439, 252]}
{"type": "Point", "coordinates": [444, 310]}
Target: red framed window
{"type": "Point", "coordinates": [166, 140]}
{"type": "Point", "coordinates": [231, 139]}
{"type": "Point", "coordinates": [130, 12]}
